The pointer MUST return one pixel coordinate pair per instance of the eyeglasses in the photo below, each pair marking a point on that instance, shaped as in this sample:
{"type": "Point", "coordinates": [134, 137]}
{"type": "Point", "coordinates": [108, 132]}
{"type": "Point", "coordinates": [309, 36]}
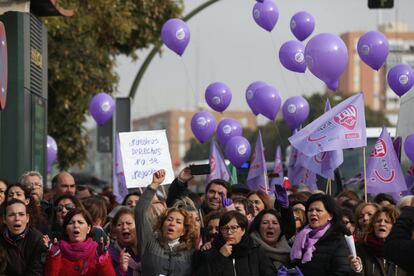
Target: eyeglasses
{"type": "Point", "coordinates": [68, 207]}
{"type": "Point", "coordinates": [229, 229]}
{"type": "Point", "coordinates": [33, 185]}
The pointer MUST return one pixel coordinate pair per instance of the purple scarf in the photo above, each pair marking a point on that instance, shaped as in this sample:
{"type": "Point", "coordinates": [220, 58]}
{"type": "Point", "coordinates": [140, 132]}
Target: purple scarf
{"type": "Point", "coordinates": [77, 250]}
{"type": "Point", "coordinates": [304, 244]}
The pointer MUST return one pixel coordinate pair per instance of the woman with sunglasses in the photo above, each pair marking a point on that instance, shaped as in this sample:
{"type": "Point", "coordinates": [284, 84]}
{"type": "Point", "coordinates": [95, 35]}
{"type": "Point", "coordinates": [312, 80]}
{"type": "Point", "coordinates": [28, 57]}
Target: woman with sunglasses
{"type": "Point", "coordinates": [234, 252]}
{"type": "Point", "coordinates": [63, 204]}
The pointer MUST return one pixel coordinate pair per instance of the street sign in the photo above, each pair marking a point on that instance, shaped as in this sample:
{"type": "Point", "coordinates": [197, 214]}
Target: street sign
{"type": "Point", "coordinates": [3, 66]}
{"type": "Point", "coordinates": [380, 4]}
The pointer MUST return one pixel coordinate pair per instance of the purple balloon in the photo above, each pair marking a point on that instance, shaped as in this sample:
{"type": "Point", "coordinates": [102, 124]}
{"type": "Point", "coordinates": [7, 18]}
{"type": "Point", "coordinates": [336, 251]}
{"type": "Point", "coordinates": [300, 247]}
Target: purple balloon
{"type": "Point", "coordinates": [266, 14]}
{"type": "Point", "coordinates": [52, 151]}
{"type": "Point", "coordinates": [373, 49]}
{"type": "Point", "coordinates": [302, 25]}
{"type": "Point", "coordinates": [409, 146]}
{"type": "Point", "coordinates": [292, 56]}
{"type": "Point", "coordinates": [326, 56]}
{"type": "Point", "coordinates": [102, 107]}
{"type": "Point", "coordinates": [227, 129]}
{"type": "Point", "coordinates": [295, 111]}
{"type": "Point", "coordinates": [251, 89]}
{"type": "Point", "coordinates": [237, 150]}
{"type": "Point", "coordinates": [203, 125]}
{"type": "Point", "coordinates": [267, 100]}
{"type": "Point", "coordinates": [218, 96]}
{"type": "Point", "coordinates": [176, 35]}
{"type": "Point", "coordinates": [400, 78]}
{"type": "Point", "coordinates": [333, 85]}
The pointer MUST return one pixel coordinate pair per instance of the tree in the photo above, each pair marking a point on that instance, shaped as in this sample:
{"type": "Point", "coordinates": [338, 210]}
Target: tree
{"type": "Point", "coordinates": [82, 58]}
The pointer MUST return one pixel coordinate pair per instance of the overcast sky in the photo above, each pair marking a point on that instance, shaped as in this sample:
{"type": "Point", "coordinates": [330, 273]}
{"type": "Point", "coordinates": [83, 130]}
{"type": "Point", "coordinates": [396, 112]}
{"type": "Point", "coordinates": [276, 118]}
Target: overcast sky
{"type": "Point", "coordinates": [226, 45]}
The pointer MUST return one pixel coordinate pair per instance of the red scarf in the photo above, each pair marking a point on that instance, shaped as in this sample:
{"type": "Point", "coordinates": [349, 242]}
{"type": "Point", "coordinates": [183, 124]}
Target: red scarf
{"type": "Point", "coordinates": [75, 251]}
{"type": "Point", "coordinates": [376, 245]}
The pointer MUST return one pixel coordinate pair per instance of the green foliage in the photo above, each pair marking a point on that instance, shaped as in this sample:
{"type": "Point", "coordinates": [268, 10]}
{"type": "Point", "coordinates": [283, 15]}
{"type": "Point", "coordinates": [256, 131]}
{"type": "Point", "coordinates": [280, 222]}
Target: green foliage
{"type": "Point", "coordinates": [277, 133]}
{"type": "Point", "coordinates": [82, 52]}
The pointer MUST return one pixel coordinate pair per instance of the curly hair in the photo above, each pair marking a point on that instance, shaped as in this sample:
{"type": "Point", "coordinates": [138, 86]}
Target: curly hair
{"type": "Point", "coordinates": [390, 211]}
{"type": "Point", "coordinates": [190, 236]}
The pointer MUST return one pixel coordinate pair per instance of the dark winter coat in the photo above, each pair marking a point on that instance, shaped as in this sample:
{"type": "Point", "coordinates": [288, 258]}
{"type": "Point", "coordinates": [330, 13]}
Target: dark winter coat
{"type": "Point", "coordinates": [247, 259]}
{"type": "Point", "coordinates": [399, 245]}
{"type": "Point", "coordinates": [330, 256]}
{"type": "Point", "coordinates": [375, 266]}
{"type": "Point", "coordinates": [25, 255]}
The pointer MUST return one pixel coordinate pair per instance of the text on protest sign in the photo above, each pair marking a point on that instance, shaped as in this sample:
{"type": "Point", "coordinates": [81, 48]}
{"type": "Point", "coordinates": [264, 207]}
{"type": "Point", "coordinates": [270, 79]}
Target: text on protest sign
{"type": "Point", "coordinates": [143, 153]}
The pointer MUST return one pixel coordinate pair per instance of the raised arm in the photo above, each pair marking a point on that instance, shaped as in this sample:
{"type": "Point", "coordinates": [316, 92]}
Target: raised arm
{"type": "Point", "coordinates": [286, 212]}
{"type": "Point", "coordinates": [142, 221]}
{"type": "Point", "coordinates": [178, 188]}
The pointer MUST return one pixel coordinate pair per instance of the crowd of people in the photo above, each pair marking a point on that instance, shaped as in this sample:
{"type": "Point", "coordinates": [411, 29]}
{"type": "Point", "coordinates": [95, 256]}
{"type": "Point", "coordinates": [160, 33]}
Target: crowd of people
{"type": "Point", "coordinates": [229, 230]}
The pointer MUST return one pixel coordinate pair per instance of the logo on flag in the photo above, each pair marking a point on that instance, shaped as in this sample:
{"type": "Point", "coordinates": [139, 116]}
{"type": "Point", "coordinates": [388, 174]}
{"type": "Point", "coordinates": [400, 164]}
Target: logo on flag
{"type": "Point", "coordinates": [380, 149]}
{"type": "Point", "coordinates": [341, 127]}
{"type": "Point", "coordinates": [384, 173]}
{"type": "Point", "coordinates": [347, 117]}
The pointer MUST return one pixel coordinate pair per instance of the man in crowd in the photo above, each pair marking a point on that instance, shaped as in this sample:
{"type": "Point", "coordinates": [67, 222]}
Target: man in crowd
{"type": "Point", "coordinates": [63, 183]}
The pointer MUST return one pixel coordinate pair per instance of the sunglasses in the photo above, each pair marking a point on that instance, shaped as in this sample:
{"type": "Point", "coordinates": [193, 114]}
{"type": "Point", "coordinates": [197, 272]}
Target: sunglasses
{"type": "Point", "coordinates": [68, 207]}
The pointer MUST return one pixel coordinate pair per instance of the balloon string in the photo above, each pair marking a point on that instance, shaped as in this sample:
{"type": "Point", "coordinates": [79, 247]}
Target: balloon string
{"type": "Point", "coordinates": [278, 134]}
{"type": "Point", "coordinates": [275, 47]}
{"type": "Point", "coordinates": [311, 83]}
{"type": "Point", "coordinates": [315, 89]}
{"type": "Point", "coordinates": [196, 96]}
{"type": "Point", "coordinates": [299, 83]}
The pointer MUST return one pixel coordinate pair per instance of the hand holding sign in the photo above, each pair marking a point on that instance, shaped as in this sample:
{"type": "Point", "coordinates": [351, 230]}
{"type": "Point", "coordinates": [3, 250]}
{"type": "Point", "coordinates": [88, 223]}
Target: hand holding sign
{"type": "Point", "coordinates": [157, 178]}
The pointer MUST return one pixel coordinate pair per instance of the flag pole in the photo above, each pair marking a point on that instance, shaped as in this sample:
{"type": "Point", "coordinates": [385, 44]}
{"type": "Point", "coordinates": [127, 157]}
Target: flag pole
{"type": "Point", "coordinates": [329, 186]}
{"type": "Point", "coordinates": [365, 176]}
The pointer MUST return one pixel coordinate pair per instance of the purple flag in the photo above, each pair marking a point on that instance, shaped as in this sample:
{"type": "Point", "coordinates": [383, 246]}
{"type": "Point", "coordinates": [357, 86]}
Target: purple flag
{"type": "Point", "coordinates": [409, 180]}
{"type": "Point", "coordinates": [119, 185]}
{"type": "Point", "coordinates": [341, 127]}
{"type": "Point", "coordinates": [384, 173]}
{"type": "Point", "coordinates": [297, 174]}
{"type": "Point", "coordinates": [257, 177]}
{"type": "Point", "coordinates": [324, 163]}
{"type": "Point", "coordinates": [218, 168]}
{"type": "Point", "coordinates": [278, 168]}
{"type": "Point", "coordinates": [397, 147]}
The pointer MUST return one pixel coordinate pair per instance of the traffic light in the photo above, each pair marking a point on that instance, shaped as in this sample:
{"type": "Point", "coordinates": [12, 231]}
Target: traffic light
{"type": "Point", "coordinates": [380, 4]}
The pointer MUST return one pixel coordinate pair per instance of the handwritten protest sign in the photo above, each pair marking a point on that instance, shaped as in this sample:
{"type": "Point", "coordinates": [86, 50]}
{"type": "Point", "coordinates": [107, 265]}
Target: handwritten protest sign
{"type": "Point", "coordinates": [143, 153]}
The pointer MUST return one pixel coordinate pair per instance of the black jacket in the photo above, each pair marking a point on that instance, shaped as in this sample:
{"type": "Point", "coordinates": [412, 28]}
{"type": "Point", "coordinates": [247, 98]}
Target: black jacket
{"type": "Point", "coordinates": [25, 256]}
{"type": "Point", "coordinates": [247, 259]}
{"type": "Point", "coordinates": [399, 245]}
{"type": "Point", "coordinates": [330, 256]}
{"type": "Point", "coordinates": [375, 266]}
